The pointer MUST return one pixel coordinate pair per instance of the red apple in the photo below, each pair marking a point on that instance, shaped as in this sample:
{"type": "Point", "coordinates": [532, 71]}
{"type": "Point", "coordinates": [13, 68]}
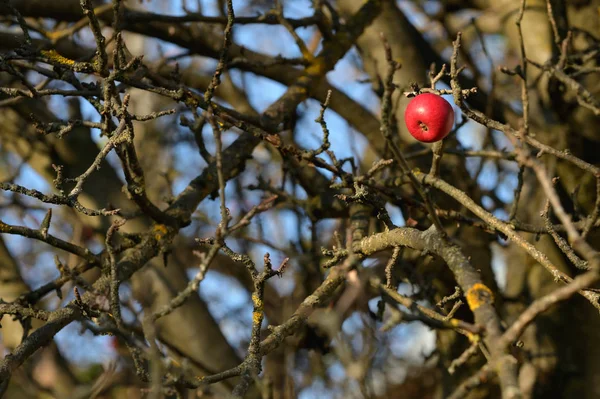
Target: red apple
{"type": "Point", "coordinates": [429, 117]}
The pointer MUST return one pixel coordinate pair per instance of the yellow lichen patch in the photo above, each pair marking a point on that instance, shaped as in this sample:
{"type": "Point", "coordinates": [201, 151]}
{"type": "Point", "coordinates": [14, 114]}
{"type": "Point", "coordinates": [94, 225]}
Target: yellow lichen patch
{"type": "Point", "coordinates": [307, 54]}
{"type": "Point", "coordinates": [257, 315]}
{"type": "Point", "coordinates": [479, 294]}
{"type": "Point", "coordinates": [54, 56]}
{"type": "Point", "coordinates": [256, 318]}
{"type": "Point", "coordinates": [190, 101]}
{"type": "Point", "coordinates": [160, 230]}
{"type": "Point", "coordinates": [257, 302]}
{"type": "Point", "coordinates": [456, 323]}
{"type": "Point", "coordinates": [317, 67]}
{"type": "Point", "coordinates": [473, 338]}
{"type": "Point", "coordinates": [57, 34]}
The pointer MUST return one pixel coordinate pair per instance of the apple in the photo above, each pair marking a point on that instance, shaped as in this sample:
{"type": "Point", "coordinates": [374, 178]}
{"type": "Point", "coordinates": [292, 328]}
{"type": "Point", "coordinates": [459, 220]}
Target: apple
{"type": "Point", "coordinates": [429, 118]}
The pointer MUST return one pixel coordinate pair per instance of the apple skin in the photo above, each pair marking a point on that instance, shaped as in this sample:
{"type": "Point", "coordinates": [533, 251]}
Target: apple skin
{"type": "Point", "coordinates": [429, 118]}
